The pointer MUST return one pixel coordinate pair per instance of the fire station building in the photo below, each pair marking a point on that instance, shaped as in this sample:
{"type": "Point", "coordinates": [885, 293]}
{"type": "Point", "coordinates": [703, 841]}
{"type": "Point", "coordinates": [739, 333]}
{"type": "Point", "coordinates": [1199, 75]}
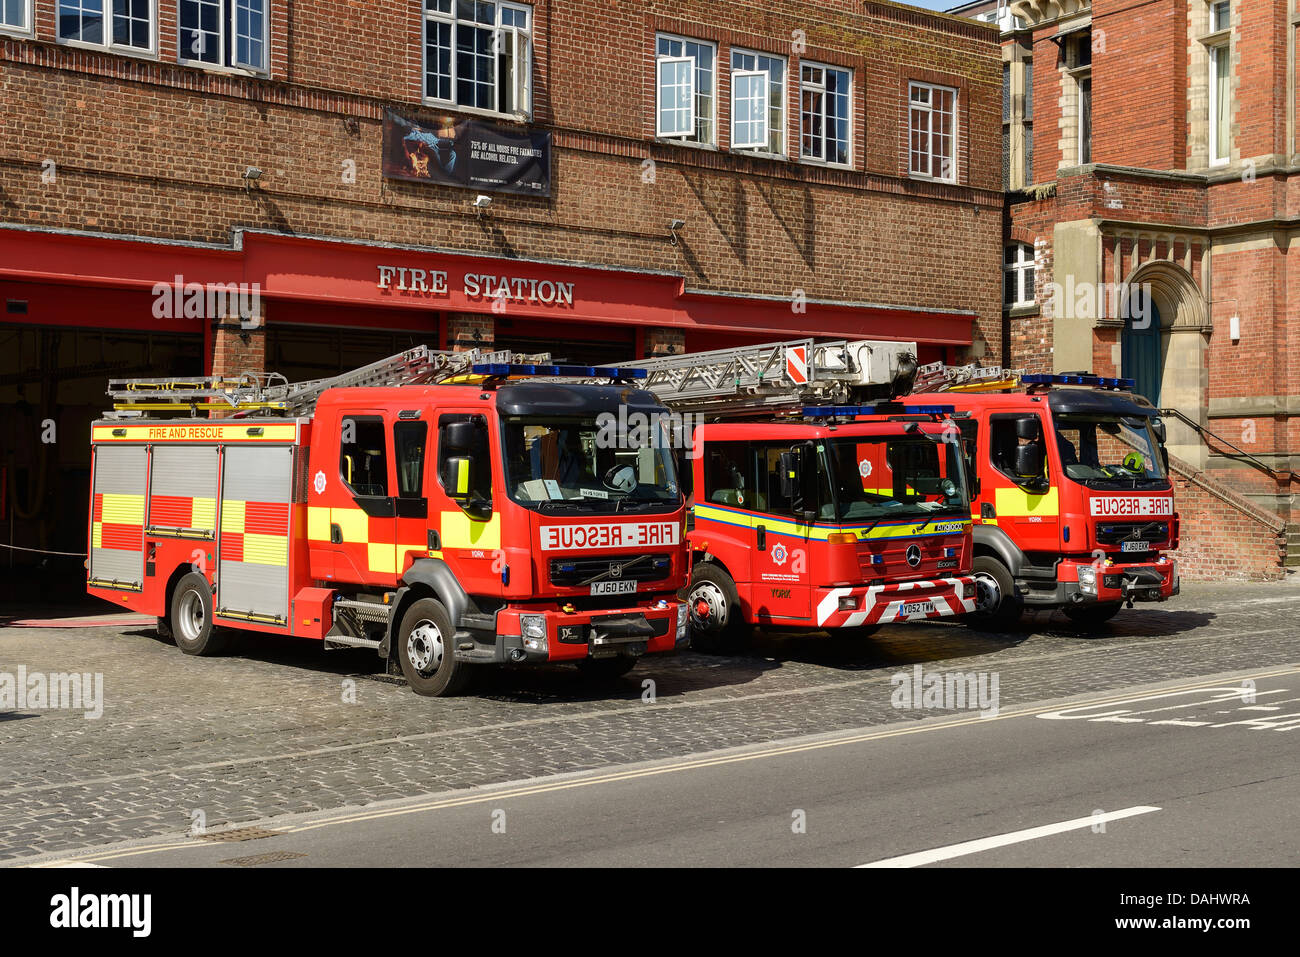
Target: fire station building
{"type": "Point", "coordinates": [221, 186]}
{"type": "Point", "coordinates": [1150, 162]}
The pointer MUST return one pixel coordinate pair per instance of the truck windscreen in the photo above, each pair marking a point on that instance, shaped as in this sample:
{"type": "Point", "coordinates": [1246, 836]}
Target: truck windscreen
{"type": "Point", "coordinates": [881, 478]}
{"type": "Point", "coordinates": [582, 464]}
{"type": "Point", "coordinates": [1109, 452]}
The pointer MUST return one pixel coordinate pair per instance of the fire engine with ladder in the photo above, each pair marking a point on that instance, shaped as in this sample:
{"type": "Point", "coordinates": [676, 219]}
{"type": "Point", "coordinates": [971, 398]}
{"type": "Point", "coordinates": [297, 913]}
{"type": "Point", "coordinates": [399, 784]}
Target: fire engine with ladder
{"type": "Point", "coordinates": [1074, 506]}
{"type": "Point", "coordinates": [803, 517]}
{"type": "Point", "coordinates": [443, 509]}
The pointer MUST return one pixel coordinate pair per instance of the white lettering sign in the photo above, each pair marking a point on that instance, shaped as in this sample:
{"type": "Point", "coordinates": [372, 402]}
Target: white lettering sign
{"type": "Point", "coordinates": [627, 535]}
{"type": "Point", "coordinates": [1116, 506]}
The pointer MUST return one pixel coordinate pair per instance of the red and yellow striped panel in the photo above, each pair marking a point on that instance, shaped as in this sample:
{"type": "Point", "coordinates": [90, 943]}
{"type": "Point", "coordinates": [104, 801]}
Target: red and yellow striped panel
{"type": "Point", "coordinates": [256, 533]}
{"type": "Point", "coordinates": [117, 521]}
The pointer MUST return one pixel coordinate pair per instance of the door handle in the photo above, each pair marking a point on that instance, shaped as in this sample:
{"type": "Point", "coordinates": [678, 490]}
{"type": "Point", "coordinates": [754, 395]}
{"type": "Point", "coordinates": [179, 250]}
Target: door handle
{"type": "Point", "coordinates": [336, 535]}
{"type": "Point", "coordinates": [762, 538]}
{"type": "Point", "coordinates": [435, 541]}
{"type": "Point", "coordinates": [987, 510]}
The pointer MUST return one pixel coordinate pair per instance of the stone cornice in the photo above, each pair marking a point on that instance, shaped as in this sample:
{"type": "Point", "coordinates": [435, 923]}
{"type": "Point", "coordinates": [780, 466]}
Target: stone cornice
{"type": "Point", "coordinates": [1040, 13]}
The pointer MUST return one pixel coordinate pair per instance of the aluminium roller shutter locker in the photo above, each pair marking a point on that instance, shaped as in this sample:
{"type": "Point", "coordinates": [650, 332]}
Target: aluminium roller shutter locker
{"type": "Point", "coordinates": [117, 516]}
{"type": "Point", "coordinates": [253, 547]}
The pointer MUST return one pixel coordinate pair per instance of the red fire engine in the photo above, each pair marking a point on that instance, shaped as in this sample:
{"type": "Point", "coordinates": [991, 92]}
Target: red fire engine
{"type": "Point", "coordinates": [443, 509]}
{"type": "Point", "coordinates": [1074, 505]}
{"type": "Point", "coordinates": [808, 519]}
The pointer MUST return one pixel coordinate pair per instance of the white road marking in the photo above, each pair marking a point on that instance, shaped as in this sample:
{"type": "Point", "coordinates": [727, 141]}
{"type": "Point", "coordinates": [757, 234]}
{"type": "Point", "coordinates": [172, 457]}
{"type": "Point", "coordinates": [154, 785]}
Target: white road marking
{"type": "Point", "coordinates": [1257, 707]}
{"type": "Point", "coordinates": [1183, 724]}
{"type": "Point", "coordinates": [1002, 840]}
{"type": "Point", "coordinates": [57, 864]}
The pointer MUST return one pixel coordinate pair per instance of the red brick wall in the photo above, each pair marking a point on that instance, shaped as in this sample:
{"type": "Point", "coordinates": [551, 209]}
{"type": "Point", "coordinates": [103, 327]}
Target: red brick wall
{"type": "Point", "coordinates": [1139, 83]}
{"type": "Point", "coordinates": [157, 149]}
{"type": "Point", "coordinates": [1220, 541]}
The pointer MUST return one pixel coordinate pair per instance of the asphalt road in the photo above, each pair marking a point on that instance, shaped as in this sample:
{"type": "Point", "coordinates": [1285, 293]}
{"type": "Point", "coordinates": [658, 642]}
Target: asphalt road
{"type": "Point", "coordinates": [1201, 773]}
{"type": "Point", "coordinates": [796, 751]}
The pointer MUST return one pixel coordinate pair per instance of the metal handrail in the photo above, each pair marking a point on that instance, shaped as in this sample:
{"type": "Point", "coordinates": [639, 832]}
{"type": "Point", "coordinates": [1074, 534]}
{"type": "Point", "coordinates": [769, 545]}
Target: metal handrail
{"type": "Point", "coordinates": [1203, 432]}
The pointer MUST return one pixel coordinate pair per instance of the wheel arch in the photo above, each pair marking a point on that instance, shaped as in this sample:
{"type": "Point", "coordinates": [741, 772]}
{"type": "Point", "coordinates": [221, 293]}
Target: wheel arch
{"type": "Point", "coordinates": [426, 578]}
{"type": "Point", "coordinates": [994, 542]}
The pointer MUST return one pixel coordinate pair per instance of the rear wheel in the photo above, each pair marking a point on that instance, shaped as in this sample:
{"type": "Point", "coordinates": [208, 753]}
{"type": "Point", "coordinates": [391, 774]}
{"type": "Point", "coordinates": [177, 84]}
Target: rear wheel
{"type": "Point", "coordinates": [426, 651]}
{"type": "Point", "coordinates": [1092, 615]}
{"type": "Point", "coordinates": [716, 623]}
{"type": "Point", "coordinates": [606, 669]}
{"type": "Point", "coordinates": [1004, 609]}
{"type": "Point", "coordinates": [191, 618]}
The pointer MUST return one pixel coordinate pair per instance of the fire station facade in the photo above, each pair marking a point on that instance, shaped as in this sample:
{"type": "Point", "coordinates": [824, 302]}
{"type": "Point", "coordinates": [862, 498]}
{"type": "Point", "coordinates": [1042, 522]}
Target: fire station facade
{"type": "Point", "coordinates": [198, 186]}
{"type": "Point", "coordinates": [1150, 151]}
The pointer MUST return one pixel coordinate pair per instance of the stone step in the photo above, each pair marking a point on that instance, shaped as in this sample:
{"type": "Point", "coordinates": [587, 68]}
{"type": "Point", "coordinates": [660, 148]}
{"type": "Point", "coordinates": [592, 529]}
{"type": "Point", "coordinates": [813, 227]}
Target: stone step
{"type": "Point", "coordinates": [1292, 561]}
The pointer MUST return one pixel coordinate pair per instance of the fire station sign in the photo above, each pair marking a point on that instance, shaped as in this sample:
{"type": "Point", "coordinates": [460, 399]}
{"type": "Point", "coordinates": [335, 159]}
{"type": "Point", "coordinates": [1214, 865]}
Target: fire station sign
{"type": "Point", "coordinates": [468, 153]}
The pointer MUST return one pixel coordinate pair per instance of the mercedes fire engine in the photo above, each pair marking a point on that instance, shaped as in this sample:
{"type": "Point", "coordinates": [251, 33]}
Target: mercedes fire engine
{"type": "Point", "coordinates": [443, 509]}
{"type": "Point", "coordinates": [1074, 504]}
{"type": "Point", "coordinates": [803, 518]}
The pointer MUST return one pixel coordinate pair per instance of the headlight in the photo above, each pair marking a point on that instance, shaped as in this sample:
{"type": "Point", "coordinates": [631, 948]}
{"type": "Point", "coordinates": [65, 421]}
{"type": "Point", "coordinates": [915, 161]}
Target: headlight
{"type": "Point", "coordinates": [1087, 579]}
{"type": "Point", "coordinates": [533, 626]}
{"type": "Point", "coordinates": [683, 614]}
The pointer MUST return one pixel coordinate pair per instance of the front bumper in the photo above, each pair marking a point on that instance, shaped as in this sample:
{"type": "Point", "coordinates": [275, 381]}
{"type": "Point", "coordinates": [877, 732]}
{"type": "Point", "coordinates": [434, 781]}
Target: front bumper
{"type": "Point", "coordinates": [898, 602]}
{"type": "Point", "coordinates": [537, 636]}
{"type": "Point", "coordinates": [1079, 581]}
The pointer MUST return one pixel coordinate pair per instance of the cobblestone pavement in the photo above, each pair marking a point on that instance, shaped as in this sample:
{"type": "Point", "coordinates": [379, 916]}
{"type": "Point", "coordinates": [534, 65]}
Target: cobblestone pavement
{"type": "Point", "coordinates": [272, 729]}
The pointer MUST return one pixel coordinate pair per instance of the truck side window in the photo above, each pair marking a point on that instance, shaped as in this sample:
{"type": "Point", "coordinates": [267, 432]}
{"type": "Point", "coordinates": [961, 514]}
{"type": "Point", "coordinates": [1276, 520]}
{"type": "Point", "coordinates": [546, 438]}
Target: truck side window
{"type": "Point", "coordinates": [363, 456]}
{"type": "Point", "coordinates": [770, 482]}
{"type": "Point", "coordinates": [970, 433]}
{"type": "Point", "coordinates": [728, 475]}
{"type": "Point", "coordinates": [480, 450]}
{"type": "Point", "coordinates": [1003, 441]}
{"type": "Point", "coordinates": [409, 440]}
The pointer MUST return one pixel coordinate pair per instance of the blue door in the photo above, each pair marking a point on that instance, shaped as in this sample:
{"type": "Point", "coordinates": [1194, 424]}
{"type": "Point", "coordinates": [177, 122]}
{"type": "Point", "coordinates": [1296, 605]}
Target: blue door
{"type": "Point", "coordinates": [1140, 355]}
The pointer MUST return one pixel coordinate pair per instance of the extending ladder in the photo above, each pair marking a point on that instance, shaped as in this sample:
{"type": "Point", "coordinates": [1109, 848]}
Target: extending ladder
{"type": "Point", "coordinates": [272, 393]}
{"type": "Point", "coordinates": [780, 377]}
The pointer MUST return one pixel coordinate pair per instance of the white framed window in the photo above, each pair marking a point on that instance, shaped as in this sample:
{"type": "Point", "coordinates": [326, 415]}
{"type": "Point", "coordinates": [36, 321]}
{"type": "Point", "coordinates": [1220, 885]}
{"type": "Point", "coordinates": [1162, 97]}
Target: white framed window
{"type": "Point", "coordinates": [16, 16]}
{"type": "Point", "coordinates": [774, 67]}
{"type": "Point", "coordinates": [1219, 47]}
{"type": "Point", "coordinates": [111, 24]}
{"type": "Point", "coordinates": [675, 101]}
{"type": "Point", "coordinates": [932, 131]}
{"type": "Point", "coordinates": [478, 55]}
{"type": "Point", "coordinates": [702, 86]}
{"type": "Point", "coordinates": [750, 91]}
{"type": "Point", "coordinates": [228, 33]}
{"type": "Point", "coordinates": [825, 114]}
{"type": "Point", "coordinates": [1018, 275]}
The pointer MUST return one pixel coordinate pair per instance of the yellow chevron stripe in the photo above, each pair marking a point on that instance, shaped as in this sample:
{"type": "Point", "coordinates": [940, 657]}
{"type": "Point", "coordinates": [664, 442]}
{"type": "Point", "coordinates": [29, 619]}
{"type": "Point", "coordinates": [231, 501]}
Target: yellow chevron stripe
{"type": "Point", "coordinates": [203, 513]}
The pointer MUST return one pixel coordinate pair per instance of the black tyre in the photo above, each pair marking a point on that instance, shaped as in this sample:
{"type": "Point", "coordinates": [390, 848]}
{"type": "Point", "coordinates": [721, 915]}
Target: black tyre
{"type": "Point", "coordinates": [606, 669]}
{"type": "Point", "coordinates": [1092, 615]}
{"type": "Point", "coordinates": [716, 623]}
{"type": "Point", "coordinates": [191, 618]}
{"type": "Point", "coordinates": [165, 630]}
{"type": "Point", "coordinates": [1009, 606]}
{"type": "Point", "coordinates": [426, 651]}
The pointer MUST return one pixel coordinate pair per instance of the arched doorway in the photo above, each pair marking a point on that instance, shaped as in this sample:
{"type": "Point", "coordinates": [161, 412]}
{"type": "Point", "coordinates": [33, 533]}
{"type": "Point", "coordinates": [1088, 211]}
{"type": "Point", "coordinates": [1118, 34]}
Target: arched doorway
{"type": "Point", "coordinates": [1141, 353]}
{"type": "Point", "coordinates": [1166, 353]}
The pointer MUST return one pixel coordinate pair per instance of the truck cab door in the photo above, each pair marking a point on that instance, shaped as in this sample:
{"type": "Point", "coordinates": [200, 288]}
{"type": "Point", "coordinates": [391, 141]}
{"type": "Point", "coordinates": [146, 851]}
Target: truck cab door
{"type": "Point", "coordinates": [363, 518]}
{"type": "Point", "coordinates": [1027, 506]}
{"type": "Point", "coordinates": [782, 581]}
{"type": "Point", "coordinates": [412, 474]}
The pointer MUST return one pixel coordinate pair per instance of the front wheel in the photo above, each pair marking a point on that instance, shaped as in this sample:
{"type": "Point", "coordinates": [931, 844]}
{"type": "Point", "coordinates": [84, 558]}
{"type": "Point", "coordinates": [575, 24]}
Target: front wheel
{"type": "Point", "coordinates": [1001, 606]}
{"type": "Point", "coordinates": [716, 623]}
{"type": "Point", "coordinates": [191, 617]}
{"type": "Point", "coordinates": [1092, 615]}
{"type": "Point", "coordinates": [426, 651]}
